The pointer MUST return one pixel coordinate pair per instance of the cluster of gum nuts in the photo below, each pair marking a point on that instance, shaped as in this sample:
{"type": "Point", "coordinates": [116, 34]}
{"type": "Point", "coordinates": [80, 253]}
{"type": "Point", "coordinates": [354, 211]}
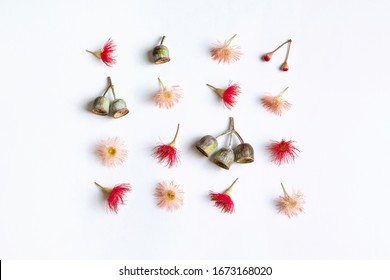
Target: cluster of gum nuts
{"type": "Point", "coordinates": [102, 105]}
{"type": "Point", "coordinates": [226, 156]}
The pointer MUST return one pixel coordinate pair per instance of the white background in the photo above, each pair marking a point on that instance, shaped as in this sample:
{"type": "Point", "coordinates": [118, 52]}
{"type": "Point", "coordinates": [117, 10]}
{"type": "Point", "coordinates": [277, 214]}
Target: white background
{"type": "Point", "coordinates": [339, 62]}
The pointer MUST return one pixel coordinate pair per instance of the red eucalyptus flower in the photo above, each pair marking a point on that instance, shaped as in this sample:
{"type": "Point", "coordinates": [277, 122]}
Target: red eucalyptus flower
{"type": "Point", "coordinates": [107, 53]}
{"type": "Point", "coordinates": [116, 195]}
{"type": "Point", "coordinates": [167, 152]}
{"type": "Point", "coordinates": [228, 95]}
{"type": "Point", "coordinates": [283, 151]}
{"type": "Point", "coordinates": [224, 200]}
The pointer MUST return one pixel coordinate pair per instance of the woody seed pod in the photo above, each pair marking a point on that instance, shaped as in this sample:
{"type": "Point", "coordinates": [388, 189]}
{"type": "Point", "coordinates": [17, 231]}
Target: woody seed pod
{"type": "Point", "coordinates": [244, 153]}
{"type": "Point", "coordinates": [101, 106]}
{"type": "Point", "coordinates": [224, 158]}
{"type": "Point", "coordinates": [119, 108]}
{"type": "Point", "coordinates": [161, 53]}
{"type": "Point", "coordinates": [207, 145]}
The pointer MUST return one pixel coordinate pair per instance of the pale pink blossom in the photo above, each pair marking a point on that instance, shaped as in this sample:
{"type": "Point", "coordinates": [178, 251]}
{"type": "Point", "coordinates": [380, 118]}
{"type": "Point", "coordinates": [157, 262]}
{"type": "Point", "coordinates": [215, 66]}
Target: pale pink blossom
{"type": "Point", "coordinates": [169, 195]}
{"type": "Point", "coordinates": [225, 52]}
{"type": "Point", "coordinates": [275, 104]}
{"type": "Point", "coordinates": [167, 97]}
{"type": "Point", "coordinates": [290, 205]}
{"type": "Point", "coordinates": [112, 151]}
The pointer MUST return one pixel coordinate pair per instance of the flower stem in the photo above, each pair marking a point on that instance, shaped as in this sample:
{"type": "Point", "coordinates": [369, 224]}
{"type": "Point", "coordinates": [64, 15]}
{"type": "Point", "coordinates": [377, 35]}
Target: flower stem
{"type": "Point", "coordinates": [228, 44]}
{"type": "Point", "coordinates": [231, 128]}
{"type": "Point", "coordinates": [284, 190]}
{"type": "Point", "coordinates": [288, 41]}
{"type": "Point", "coordinates": [97, 184]}
{"type": "Point", "coordinates": [105, 92]}
{"type": "Point", "coordinates": [231, 131]}
{"type": "Point", "coordinates": [162, 40]}
{"type": "Point", "coordinates": [97, 53]}
{"type": "Point", "coordinates": [107, 190]}
{"type": "Point", "coordinates": [229, 191]}
{"type": "Point", "coordinates": [161, 83]}
{"type": "Point", "coordinates": [218, 91]}
{"type": "Point", "coordinates": [288, 50]}
{"type": "Point", "coordinates": [231, 123]}
{"type": "Point", "coordinates": [230, 139]}
{"type": "Point", "coordinates": [110, 85]}
{"type": "Point", "coordinates": [173, 143]}
{"type": "Point", "coordinates": [211, 86]}
{"type": "Point", "coordinates": [223, 134]}
{"type": "Point", "coordinates": [284, 91]}
{"type": "Point", "coordinates": [238, 136]}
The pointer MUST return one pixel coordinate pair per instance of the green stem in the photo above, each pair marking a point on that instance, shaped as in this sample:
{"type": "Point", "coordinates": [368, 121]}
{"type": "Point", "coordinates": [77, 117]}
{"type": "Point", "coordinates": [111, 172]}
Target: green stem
{"type": "Point", "coordinates": [161, 83]}
{"type": "Point", "coordinates": [110, 85]}
{"type": "Point", "coordinates": [97, 184]}
{"type": "Point", "coordinates": [97, 53]}
{"type": "Point", "coordinates": [284, 190]}
{"type": "Point", "coordinates": [162, 40]}
{"type": "Point", "coordinates": [228, 44]}
{"type": "Point", "coordinates": [283, 92]}
{"type": "Point", "coordinates": [106, 190]}
{"type": "Point", "coordinates": [173, 143]}
{"type": "Point", "coordinates": [105, 92]}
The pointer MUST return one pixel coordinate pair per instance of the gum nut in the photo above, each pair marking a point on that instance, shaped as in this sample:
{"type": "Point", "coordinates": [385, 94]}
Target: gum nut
{"type": "Point", "coordinates": [161, 54]}
{"type": "Point", "coordinates": [244, 153]}
{"type": "Point", "coordinates": [207, 145]}
{"type": "Point", "coordinates": [119, 108]}
{"type": "Point", "coordinates": [224, 158]}
{"type": "Point", "coordinates": [101, 106]}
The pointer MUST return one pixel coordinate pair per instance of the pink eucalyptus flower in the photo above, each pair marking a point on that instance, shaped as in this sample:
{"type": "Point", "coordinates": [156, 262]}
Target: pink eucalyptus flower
{"type": "Point", "coordinates": [290, 205]}
{"type": "Point", "coordinates": [112, 152]}
{"type": "Point", "coordinates": [275, 104]}
{"type": "Point", "coordinates": [167, 97]}
{"type": "Point", "coordinates": [226, 53]}
{"type": "Point", "coordinates": [169, 195]}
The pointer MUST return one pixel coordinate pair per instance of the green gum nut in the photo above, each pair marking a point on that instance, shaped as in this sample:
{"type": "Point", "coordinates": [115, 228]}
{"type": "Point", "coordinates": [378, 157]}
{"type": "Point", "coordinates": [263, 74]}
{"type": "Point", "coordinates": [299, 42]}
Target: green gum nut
{"type": "Point", "coordinates": [101, 106]}
{"type": "Point", "coordinates": [161, 54]}
{"type": "Point", "coordinates": [119, 108]}
{"type": "Point", "coordinates": [244, 153]}
{"type": "Point", "coordinates": [207, 145]}
{"type": "Point", "coordinates": [224, 158]}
